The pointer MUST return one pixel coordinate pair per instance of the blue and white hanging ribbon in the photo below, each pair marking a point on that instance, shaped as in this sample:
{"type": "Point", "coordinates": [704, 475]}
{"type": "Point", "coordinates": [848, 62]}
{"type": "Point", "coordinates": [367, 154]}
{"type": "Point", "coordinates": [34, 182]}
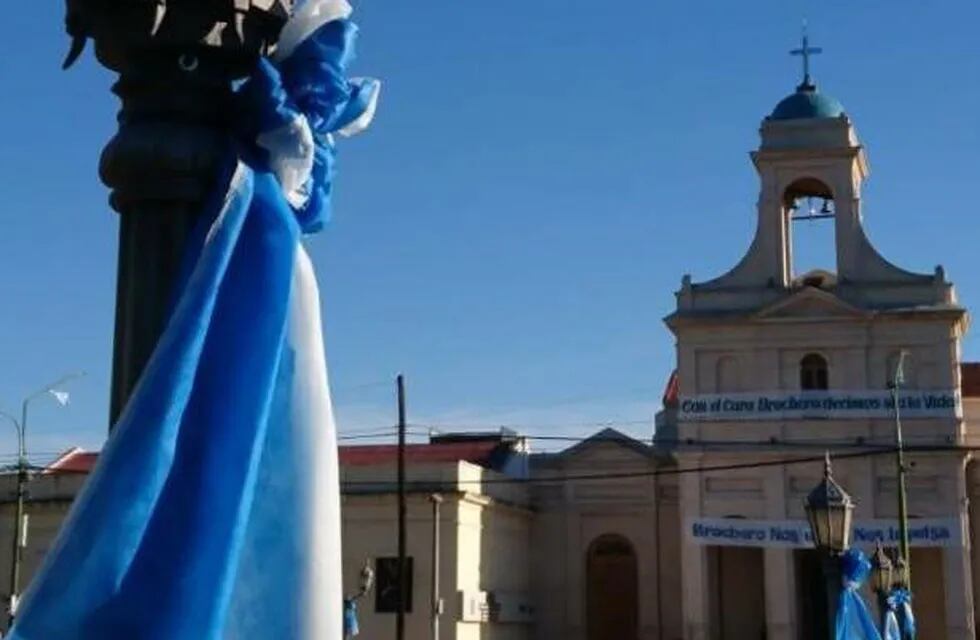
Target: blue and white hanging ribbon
{"type": "Point", "coordinates": [899, 607]}
{"type": "Point", "coordinates": [213, 512]}
{"type": "Point", "coordinates": [854, 622]}
{"type": "Point", "coordinates": [351, 627]}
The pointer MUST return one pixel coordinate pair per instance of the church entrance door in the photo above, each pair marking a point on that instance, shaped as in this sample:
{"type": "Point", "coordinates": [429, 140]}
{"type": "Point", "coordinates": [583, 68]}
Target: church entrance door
{"type": "Point", "coordinates": [739, 601]}
{"type": "Point", "coordinates": [612, 601]}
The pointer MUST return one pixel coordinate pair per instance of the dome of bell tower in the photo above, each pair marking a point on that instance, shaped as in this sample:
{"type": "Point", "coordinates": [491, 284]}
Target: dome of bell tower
{"type": "Point", "coordinates": [806, 103]}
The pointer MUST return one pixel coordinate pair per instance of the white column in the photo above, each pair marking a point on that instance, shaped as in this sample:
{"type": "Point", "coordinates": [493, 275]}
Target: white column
{"type": "Point", "coordinates": [780, 571]}
{"type": "Point", "coordinates": [574, 617]}
{"type": "Point", "coordinates": [973, 510]}
{"type": "Point", "coordinates": [694, 566]}
{"type": "Point", "coordinates": [957, 569]}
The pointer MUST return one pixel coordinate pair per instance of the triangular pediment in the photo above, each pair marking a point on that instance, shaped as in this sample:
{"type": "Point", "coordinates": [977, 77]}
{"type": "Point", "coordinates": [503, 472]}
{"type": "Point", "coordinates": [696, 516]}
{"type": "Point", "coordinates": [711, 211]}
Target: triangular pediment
{"type": "Point", "coordinates": [608, 444]}
{"type": "Point", "coordinates": [810, 303]}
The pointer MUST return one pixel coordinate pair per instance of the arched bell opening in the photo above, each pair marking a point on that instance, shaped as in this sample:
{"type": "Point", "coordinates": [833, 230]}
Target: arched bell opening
{"type": "Point", "coordinates": [809, 209]}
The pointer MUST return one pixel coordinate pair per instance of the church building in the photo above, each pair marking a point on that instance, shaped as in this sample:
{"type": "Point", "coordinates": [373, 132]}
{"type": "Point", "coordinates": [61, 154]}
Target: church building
{"type": "Point", "coordinates": [703, 535]}
{"type": "Point", "coordinates": [775, 364]}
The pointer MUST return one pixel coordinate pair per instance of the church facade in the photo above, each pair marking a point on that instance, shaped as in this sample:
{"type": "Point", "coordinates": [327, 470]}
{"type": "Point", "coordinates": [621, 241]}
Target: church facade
{"type": "Point", "coordinates": [773, 364]}
{"type": "Point", "coordinates": [776, 366]}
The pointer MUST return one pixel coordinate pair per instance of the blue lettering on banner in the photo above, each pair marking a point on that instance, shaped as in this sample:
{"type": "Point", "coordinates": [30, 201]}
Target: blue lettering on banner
{"type": "Point", "coordinates": [932, 532]}
{"type": "Point", "coordinates": [851, 404]}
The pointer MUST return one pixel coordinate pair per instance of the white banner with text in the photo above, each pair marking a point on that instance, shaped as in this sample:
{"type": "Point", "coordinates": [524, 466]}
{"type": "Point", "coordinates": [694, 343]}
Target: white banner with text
{"type": "Point", "coordinates": [736, 532]}
{"type": "Point", "coordinates": [783, 405]}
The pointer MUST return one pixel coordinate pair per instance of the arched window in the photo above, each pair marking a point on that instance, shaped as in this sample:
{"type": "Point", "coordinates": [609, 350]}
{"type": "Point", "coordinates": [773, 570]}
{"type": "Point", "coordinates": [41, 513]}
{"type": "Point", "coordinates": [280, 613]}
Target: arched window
{"type": "Point", "coordinates": [813, 372]}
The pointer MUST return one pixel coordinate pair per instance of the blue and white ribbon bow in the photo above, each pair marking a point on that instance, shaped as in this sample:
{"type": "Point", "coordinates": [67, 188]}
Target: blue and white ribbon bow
{"type": "Point", "coordinates": [854, 622]}
{"type": "Point", "coordinates": [213, 512]}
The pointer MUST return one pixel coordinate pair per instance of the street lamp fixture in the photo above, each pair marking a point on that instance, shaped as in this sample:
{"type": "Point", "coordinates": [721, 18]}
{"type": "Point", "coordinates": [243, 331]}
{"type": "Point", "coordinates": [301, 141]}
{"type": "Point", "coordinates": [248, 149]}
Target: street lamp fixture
{"type": "Point", "coordinates": [881, 571]}
{"type": "Point", "coordinates": [901, 577]}
{"type": "Point", "coordinates": [830, 510]}
{"type": "Point", "coordinates": [367, 578]}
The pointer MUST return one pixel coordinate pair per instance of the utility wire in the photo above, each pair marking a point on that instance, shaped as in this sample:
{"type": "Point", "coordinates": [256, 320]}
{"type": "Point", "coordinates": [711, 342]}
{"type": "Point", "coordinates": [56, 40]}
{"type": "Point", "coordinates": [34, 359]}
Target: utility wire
{"type": "Point", "coordinates": [669, 471]}
{"type": "Point", "coordinates": [389, 434]}
{"type": "Point", "coordinates": [672, 443]}
{"type": "Point", "coordinates": [520, 424]}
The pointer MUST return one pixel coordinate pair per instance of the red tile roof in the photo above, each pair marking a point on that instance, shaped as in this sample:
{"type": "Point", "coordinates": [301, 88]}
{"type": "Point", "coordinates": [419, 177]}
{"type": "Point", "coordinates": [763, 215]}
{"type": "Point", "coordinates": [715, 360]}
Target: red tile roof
{"type": "Point", "coordinates": [478, 452]}
{"type": "Point", "coordinates": [970, 383]}
{"type": "Point", "coordinates": [74, 460]}
{"type": "Point", "coordinates": [77, 460]}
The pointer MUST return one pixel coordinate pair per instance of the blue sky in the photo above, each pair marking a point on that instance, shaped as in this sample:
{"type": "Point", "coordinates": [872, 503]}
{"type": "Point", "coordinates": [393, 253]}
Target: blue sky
{"type": "Point", "coordinates": [511, 231]}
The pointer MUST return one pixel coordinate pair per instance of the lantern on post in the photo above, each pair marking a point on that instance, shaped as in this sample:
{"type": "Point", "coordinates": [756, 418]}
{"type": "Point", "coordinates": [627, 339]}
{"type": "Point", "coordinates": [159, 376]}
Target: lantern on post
{"type": "Point", "coordinates": [900, 575]}
{"type": "Point", "coordinates": [829, 510]}
{"type": "Point", "coordinates": [881, 570]}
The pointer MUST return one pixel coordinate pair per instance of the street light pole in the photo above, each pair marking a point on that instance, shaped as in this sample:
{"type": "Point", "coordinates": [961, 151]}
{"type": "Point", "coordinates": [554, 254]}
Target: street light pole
{"type": "Point", "coordinates": [19, 537]}
{"type": "Point", "coordinates": [16, 534]}
{"type": "Point", "coordinates": [402, 511]}
{"type": "Point", "coordinates": [436, 600]}
{"type": "Point", "coordinates": [903, 517]}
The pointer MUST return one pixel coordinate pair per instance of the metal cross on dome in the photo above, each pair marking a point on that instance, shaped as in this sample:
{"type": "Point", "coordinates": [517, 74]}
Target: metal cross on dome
{"type": "Point", "coordinates": [805, 52]}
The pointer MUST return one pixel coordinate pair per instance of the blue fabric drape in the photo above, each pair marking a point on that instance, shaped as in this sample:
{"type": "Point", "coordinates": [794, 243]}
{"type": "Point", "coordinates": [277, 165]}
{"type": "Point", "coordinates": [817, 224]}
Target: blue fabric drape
{"type": "Point", "coordinates": [854, 622]}
{"type": "Point", "coordinates": [203, 466]}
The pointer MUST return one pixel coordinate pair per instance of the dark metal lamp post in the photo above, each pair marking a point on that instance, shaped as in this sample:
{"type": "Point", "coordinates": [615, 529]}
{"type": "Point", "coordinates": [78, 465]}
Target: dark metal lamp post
{"type": "Point", "coordinates": [830, 510]}
{"type": "Point", "coordinates": [176, 62]}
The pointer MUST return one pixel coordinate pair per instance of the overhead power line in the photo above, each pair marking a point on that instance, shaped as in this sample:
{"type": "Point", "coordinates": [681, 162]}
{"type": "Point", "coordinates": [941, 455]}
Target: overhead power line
{"type": "Point", "coordinates": [439, 484]}
{"type": "Point", "coordinates": [666, 471]}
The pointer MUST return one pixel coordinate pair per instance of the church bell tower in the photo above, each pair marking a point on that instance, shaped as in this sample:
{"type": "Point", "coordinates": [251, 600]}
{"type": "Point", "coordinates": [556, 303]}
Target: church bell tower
{"type": "Point", "coordinates": [811, 165]}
